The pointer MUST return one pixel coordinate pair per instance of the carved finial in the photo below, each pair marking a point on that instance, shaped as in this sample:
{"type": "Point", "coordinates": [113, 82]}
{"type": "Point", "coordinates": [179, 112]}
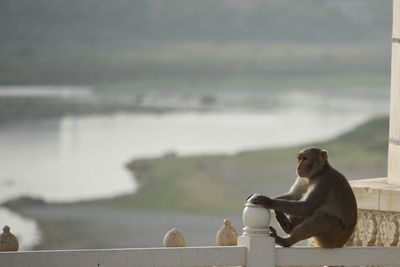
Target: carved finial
{"type": "Point", "coordinates": [227, 235]}
{"type": "Point", "coordinates": [8, 241]}
{"type": "Point", "coordinates": [174, 238]}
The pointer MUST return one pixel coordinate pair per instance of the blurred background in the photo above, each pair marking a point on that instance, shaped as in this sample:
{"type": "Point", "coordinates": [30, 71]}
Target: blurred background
{"type": "Point", "coordinates": [120, 120]}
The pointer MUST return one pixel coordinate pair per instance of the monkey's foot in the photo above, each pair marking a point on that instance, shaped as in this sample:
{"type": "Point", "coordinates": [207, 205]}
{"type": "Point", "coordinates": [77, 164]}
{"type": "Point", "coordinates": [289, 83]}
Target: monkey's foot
{"type": "Point", "coordinates": [284, 242]}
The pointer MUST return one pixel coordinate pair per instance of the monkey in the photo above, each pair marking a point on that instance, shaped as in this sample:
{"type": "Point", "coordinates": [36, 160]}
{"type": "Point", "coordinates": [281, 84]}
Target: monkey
{"type": "Point", "coordinates": [320, 204]}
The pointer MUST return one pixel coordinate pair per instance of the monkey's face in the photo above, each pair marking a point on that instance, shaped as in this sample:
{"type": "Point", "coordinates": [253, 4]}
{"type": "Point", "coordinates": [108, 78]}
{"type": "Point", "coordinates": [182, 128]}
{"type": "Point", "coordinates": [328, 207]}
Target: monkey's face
{"type": "Point", "coordinates": [310, 161]}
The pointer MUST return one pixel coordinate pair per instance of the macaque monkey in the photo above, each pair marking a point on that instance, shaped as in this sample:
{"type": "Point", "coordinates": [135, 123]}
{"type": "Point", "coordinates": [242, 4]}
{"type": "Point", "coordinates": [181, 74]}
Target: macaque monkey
{"type": "Point", "coordinates": [320, 205]}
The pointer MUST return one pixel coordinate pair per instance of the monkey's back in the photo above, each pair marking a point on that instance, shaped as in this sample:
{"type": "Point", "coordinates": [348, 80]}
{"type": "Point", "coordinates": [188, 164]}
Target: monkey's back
{"type": "Point", "coordinates": [341, 202]}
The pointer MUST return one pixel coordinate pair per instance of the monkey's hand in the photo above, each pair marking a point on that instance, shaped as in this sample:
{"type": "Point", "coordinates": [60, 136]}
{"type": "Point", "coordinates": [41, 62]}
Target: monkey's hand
{"type": "Point", "coordinates": [250, 196]}
{"type": "Point", "coordinates": [262, 200]}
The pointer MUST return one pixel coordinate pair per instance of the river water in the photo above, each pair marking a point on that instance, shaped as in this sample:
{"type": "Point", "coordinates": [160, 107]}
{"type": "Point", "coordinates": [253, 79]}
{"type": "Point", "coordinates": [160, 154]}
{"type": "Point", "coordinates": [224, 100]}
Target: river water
{"type": "Point", "coordinates": [83, 157]}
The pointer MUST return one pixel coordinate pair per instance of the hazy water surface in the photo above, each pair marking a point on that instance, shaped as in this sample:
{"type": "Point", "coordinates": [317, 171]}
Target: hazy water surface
{"type": "Point", "coordinates": [81, 157]}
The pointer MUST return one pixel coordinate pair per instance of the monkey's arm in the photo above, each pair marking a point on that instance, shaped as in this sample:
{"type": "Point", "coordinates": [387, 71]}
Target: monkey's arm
{"type": "Point", "coordinates": [293, 207]}
{"type": "Point", "coordinates": [296, 192]}
{"type": "Point", "coordinates": [283, 221]}
{"type": "Point", "coordinates": [298, 189]}
{"type": "Point", "coordinates": [303, 207]}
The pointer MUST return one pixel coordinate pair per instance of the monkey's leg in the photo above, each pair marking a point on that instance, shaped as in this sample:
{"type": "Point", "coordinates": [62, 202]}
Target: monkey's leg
{"type": "Point", "coordinates": [287, 223]}
{"type": "Point", "coordinates": [316, 224]}
{"type": "Point", "coordinates": [283, 221]}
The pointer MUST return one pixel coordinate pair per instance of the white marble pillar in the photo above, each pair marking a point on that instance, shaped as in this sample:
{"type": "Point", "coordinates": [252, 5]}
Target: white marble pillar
{"type": "Point", "coordinates": [394, 133]}
{"type": "Point", "coordinates": [378, 199]}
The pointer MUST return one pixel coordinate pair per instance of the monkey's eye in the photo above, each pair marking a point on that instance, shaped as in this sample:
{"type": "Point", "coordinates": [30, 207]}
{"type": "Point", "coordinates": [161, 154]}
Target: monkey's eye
{"type": "Point", "coordinates": [305, 158]}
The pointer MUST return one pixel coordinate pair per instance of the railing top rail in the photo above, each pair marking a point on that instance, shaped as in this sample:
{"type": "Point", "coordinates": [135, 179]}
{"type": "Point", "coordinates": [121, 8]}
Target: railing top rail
{"type": "Point", "coordinates": [200, 256]}
{"type": "Point", "coordinates": [306, 256]}
{"type": "Point", "coordinates": [169, 257]}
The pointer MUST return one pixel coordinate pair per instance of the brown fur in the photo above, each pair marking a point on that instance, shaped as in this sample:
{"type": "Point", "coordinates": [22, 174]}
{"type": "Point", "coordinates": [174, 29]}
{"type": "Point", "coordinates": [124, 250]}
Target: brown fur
{"type": "Point", "coordinates": [320, 204]}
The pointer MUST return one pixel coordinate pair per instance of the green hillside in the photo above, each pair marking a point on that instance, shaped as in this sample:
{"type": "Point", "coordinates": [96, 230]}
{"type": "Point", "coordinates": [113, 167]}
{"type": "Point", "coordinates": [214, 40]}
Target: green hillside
{"type": "Point", "coordinates": [221, 182]}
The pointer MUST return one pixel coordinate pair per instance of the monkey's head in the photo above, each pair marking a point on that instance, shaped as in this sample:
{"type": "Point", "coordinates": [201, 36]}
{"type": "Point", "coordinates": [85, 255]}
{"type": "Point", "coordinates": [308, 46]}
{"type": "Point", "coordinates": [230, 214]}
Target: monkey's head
{"type": "Point", "coordinates": [310, 161]}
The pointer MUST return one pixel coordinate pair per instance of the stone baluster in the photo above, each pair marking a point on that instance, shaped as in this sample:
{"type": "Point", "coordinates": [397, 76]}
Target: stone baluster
{"type": "Point", "coordinates": [260, 245]}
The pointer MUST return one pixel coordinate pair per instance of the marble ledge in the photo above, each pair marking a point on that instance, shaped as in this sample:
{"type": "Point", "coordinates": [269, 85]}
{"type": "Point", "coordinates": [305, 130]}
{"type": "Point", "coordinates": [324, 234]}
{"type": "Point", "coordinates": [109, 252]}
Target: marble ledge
{"type": "Point", "coordinates": [377, 194]}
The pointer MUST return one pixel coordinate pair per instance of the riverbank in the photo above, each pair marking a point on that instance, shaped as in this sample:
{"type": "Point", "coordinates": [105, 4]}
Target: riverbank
{"type": "Point", "coordinates": [195, 193]}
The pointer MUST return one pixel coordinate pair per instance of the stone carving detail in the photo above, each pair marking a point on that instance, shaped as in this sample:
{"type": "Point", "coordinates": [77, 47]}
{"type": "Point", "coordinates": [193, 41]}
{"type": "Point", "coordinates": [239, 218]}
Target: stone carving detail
{"type": "Point", "coordinates": [389, 230]}
{"type": "Point", "coordinates": [376, 228]}
{"type": "Point", "coordinates": [368, 229]}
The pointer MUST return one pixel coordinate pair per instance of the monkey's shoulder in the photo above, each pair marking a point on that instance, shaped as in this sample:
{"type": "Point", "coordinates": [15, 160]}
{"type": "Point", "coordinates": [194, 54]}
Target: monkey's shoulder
{"type": "Point", "coordinates": [333, 176]}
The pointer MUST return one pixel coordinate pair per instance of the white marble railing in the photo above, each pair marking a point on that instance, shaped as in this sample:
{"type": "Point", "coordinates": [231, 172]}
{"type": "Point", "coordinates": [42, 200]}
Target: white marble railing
{"type": "Point", "coordinates": [255, 249]}
{"type": "Point", "coordinates": [207, 256]}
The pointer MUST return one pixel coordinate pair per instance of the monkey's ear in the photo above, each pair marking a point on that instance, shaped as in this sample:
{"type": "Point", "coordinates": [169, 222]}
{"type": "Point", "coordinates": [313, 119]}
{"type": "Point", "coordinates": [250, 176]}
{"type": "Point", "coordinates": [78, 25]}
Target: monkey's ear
{"type": "Point", "coordinates": [324, 154]}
